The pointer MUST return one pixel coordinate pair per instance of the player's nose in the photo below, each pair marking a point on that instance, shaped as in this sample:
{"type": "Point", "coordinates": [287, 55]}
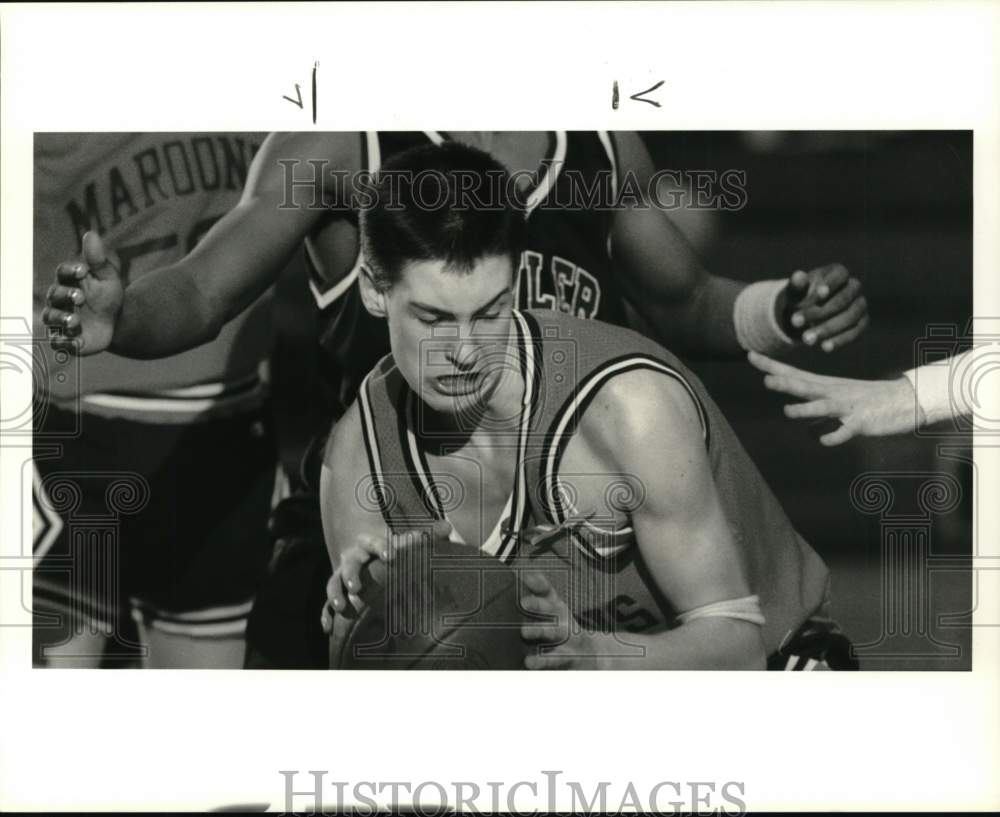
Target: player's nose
{"type": "Point", "coordinates": [464, 354]}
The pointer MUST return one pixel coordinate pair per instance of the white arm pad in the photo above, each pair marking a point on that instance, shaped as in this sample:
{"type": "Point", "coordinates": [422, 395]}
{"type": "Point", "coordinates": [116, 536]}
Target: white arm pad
{"type": "Point", "coordinates": [744, 609]}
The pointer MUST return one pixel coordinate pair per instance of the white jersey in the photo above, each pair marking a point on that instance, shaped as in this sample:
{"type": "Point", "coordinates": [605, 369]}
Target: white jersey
{"type": "Point", "coordinates": [151, 197]}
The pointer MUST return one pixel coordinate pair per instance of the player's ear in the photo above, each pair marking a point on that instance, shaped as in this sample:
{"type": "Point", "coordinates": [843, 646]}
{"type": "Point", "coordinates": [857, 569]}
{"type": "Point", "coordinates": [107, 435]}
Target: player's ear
{"type": "Point", "coordinates": [371, 296]}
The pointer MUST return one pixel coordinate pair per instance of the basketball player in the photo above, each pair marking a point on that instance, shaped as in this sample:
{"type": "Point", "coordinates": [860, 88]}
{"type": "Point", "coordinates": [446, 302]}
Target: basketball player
{"type": "Point", "coordinates": [493, 419]}
{"type": "Point", "coordinates": [297, 190]}
{"type": "Point", "coordinates": [301, 187]}
{"type": "Point", "coordinates": [177, 452]}
{"type": "Point", "coordinates": [876, 408]}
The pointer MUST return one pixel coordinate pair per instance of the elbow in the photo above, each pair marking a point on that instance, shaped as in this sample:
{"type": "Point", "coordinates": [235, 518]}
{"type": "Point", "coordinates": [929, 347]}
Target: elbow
{"type": "Point", "coordinates": [210, 332]}
{"type": "Point", "coordinates": [206, 309]}
{"type": "Point", "coordinates": [208, 319]}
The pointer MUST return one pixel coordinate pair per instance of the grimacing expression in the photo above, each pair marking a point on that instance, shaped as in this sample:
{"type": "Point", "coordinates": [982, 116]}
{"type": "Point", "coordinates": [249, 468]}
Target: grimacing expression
{"type": "Point", "coordinates": [450, 330]}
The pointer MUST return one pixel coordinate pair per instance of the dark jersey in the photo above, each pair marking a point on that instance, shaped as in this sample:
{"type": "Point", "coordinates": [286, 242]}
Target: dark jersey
{"type": "Point", "coordinates": [566, 265]}
{"type": "Point", "coordinates": [564, 362]}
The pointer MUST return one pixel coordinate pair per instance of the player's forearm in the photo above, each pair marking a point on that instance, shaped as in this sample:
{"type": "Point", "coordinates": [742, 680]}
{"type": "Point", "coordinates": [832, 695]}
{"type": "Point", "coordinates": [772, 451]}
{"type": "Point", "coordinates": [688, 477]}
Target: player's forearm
{"type": "Point", "coordinates": [704, 644]}
{"type": "Point", "coordinates": [164, 313]}
{"type": "Point", "coordinates": [182, 306]}
{"type": "Point", "coordinates": [679, 302]}
{"type": "Point", "coordinates": [741, 316]}
{"type": "Point", "coordinates": [705, 325]}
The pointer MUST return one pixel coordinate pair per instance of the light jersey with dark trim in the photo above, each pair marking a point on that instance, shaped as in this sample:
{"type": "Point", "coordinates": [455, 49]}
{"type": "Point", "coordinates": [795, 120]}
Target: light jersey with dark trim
{"type": "Point", "coordinates": [565, 361]}
{"type": "Point", "coordinates": [566, 264]}
{"type": "Point", "coordinates": [151, 197]}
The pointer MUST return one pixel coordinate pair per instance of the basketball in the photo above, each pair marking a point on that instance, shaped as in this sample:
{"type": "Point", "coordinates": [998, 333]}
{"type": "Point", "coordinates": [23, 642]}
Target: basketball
{"type": "Point", "coordinates": [438, 606]}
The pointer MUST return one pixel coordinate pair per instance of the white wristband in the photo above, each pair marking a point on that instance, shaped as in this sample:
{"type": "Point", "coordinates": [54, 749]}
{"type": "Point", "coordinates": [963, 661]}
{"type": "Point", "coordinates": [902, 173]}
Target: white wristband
{"type": "Point", "coordinates": [754, 320]}
{"type": "Point", "coordinates": [938, 386]}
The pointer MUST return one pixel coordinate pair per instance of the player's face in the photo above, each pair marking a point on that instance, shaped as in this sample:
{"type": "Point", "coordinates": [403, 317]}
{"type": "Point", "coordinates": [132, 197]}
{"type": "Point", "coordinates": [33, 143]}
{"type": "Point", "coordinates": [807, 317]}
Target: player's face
{"type": "Point", "coordinates": [450, 331]}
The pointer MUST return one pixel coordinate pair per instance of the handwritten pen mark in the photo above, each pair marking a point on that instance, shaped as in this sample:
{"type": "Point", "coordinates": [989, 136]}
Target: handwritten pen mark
{"type": "Point", "coordinates": [639, 96]}
{"type": "Point", "coordinates": [315, 66]}
{"type": "Point", "coordinates": [614, 95]}
{"type": "Point", "coordinates": [298, 101]}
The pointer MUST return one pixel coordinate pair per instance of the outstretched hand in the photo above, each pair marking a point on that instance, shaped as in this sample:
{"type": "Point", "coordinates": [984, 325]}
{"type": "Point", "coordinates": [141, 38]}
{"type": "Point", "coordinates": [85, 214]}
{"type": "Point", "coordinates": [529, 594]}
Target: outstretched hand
{"type": "Point", "coordinates": [84, 303]}
{"type": "Point", "coordinates": [865, 408]}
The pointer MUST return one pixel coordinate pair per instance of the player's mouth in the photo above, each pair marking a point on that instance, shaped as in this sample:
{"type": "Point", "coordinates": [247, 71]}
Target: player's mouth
{"type": "Point", "coordinates": [458, 385]}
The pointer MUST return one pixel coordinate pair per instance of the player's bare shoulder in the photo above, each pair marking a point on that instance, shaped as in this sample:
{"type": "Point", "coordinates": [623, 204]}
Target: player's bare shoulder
{"type": "Point", "coordinates": [638, 413]}
{"type": "Point", "coordinates": [643, 429]}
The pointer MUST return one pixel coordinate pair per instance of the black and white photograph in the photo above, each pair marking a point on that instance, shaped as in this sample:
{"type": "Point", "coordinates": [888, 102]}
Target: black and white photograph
{"type": "Point", "coordinates": [302, 394]}
{"type": "Point", "coordinates": [722, 486]}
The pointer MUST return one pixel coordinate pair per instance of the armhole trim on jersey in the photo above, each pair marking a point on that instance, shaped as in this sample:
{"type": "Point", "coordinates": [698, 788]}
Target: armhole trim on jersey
{"type": "Point", "coordinates": [371, 160]}
{"type": "Point", "coordinates": [552, 170]}
{"type": "Point", "coordinates": [569, 415]}
{"type": "Point", "coordinates": [373, 152]}
{"type": "Point", "coordinates": [609, 148]}
{"type": "Point", "coordinates": [533, 340]}
{"type": "Point", "coordinates": [527, 351]}
{"type": "Point", "coordinates": [553, 166]}
{"type": "Point", "coordinates": [324, 299]}
{"type": "Point", "coordinates": [416, 462]}
{"type": "Point", "coordinates": [370, 437]}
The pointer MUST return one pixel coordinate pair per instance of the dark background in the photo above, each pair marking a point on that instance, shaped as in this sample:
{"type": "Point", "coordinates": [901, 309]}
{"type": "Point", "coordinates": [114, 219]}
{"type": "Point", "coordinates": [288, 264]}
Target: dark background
{"type": "Point", "coordinates": [896, 209]}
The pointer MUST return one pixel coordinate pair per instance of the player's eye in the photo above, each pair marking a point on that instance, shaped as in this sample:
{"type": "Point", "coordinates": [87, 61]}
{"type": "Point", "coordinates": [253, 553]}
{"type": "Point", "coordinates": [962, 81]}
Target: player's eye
{"type": "Point", "coordinates": [490, 317]}
{"type": "Point", "coordinates": [428, 321]}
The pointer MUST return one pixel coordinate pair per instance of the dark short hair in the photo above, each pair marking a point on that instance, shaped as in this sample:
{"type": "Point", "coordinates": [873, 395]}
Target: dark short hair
{"type": "Point", "coordinates": [447, 202]}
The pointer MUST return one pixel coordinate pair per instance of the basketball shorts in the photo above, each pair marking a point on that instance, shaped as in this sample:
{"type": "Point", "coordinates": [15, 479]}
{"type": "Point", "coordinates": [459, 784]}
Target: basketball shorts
{"type": "Point", "coordinates": [819, 644]}
{"type": "Point", "coordinates": [167, 522]}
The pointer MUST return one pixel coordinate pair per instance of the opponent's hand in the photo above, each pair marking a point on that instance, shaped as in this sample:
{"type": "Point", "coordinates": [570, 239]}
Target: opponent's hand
{"type": "Point", "coordinates": [865, 408]}
{"type": "Point", "coordinates": [825, 306]}
{"type": "Point", "coordinates": [85, 301]}
{"type": "Point", "coordinates": [565, 647]}
{"type": "Point", "coordinates": [346, 588]}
